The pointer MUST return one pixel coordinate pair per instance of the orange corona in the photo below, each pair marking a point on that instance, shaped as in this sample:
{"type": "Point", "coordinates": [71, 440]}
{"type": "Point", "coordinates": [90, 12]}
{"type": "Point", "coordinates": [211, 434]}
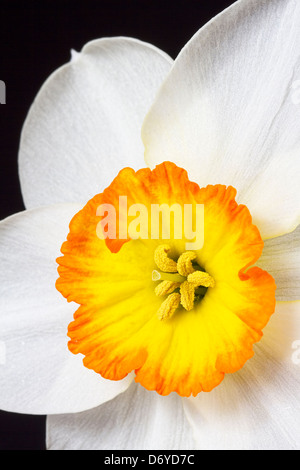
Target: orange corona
{"type": "Point", "coordinates": [180, 319]}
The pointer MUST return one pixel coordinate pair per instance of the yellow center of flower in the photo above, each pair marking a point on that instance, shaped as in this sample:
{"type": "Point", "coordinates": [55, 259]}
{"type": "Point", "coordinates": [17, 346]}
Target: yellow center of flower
{"type": "Point", "coordinates": [189, 282]}
{"type": "Point", "coordinates": [179, 317]}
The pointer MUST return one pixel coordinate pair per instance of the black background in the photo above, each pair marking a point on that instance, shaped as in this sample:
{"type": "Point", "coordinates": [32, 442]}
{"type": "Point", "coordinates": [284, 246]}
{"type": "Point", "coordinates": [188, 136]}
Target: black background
{"type": "Point", "coordinates": [35, 39]}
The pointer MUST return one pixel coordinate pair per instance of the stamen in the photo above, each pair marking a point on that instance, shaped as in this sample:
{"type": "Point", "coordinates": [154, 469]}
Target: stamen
{"type": "Point", "coordinates": [192, 282]}
{"type": "Point", "coordinates": [162, 261]}
{"type": "Point", "coordinates": [200, 278]}
{"type": "Point", "coordinates": [187, 291]}
{"type": "Point", "coordinates": [184, 263]}
{"type": "Point", "coordinates": [169, 306]}
{"type": "Point", "coordinates": [166, 287]}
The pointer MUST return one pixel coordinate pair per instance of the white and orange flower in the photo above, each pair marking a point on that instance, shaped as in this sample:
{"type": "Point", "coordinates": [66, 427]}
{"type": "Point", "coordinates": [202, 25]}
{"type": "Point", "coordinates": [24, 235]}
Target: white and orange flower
{"type": "Point", "coordinates": [171, 360]}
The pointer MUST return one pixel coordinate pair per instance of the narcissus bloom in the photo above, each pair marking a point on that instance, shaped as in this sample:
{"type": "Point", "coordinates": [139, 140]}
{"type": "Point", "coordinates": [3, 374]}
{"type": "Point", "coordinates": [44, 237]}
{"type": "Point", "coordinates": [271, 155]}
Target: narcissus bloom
{"type": "Point", "coordinates": [200, 340]}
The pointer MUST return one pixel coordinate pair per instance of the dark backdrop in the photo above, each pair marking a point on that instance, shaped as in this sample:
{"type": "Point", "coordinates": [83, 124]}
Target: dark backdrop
{"type": "Point", "coordinates": [35, 39]}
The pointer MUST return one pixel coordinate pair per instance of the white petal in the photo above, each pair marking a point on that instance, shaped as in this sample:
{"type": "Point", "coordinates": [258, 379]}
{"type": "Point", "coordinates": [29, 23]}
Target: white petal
{"type": "Point", "coordinates": [281, 258]}
{"type": "Point", "coordinates": [229, 110]}
{"type": "Point", "coordinates": [85, 124]}
{"type": "Point", "coordinates": [135, 420]}
{"type": "Point", "coordinates": [257, 408]}
{"type": "Point", "coordinates": [38, 373]}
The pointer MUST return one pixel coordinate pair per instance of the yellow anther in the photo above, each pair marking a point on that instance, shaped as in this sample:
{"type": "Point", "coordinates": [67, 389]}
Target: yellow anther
{"type": "Point", "coordinates": [166, 288]}
{"type": "Point", "coordinates": [184, 263]}
{"type": "Point", "coordinates": [169, 306]}
{"type": "Point", "coordinates": [187, 291]}
{"type": "Point", "coordinates": [200, 278]}
{"type": "Point", "coordinates": [162, 261]}
{"type": "Point", "coordinates": [192, 284]}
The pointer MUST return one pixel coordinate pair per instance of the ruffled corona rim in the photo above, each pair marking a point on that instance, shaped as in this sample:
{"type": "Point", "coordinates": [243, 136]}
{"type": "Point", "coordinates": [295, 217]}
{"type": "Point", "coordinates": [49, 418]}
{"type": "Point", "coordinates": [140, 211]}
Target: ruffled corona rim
{"type": "Point", "coordinates": [117, 326]}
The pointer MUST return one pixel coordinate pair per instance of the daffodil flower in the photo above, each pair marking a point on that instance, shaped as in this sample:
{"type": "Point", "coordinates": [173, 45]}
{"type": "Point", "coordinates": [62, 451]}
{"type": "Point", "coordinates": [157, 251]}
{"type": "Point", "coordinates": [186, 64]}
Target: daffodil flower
{"type": "Point", "coordinates": [174, 348]}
